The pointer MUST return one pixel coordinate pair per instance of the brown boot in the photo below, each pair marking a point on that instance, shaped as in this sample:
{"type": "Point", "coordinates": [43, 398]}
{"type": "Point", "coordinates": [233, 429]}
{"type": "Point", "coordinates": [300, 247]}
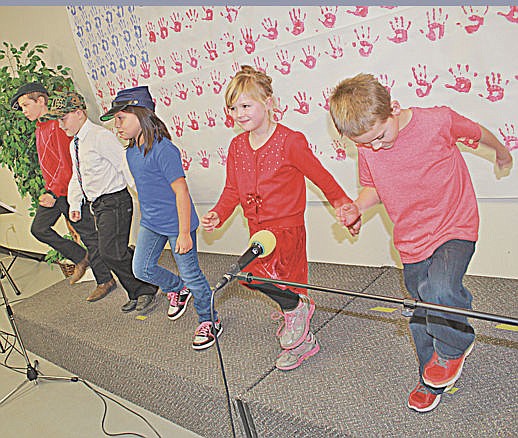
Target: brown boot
{"type": "Point", "coordinates": [102, 290]}
{"type": "Point", "coordinates": [79, 270]}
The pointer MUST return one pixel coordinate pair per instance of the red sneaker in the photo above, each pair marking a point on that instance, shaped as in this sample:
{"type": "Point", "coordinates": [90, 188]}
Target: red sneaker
{"type": "Point", "coordinates": [422, 400]}
{"type": "Point", "coordinates": [439, 372]}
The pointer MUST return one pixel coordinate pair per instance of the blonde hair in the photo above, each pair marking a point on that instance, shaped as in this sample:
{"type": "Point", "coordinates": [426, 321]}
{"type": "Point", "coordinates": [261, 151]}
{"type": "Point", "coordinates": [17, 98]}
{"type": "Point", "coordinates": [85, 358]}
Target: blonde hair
{"type": "Point", "coordinates": [254, 83]}
{"type": "Point", "coordinates": [357, 103]}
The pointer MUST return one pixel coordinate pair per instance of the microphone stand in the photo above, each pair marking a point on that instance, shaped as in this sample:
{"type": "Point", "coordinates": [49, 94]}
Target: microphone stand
{"type": "Point", "coordinates": [32, 371]}
{"type": "Point", "coordinates": [408, 303]}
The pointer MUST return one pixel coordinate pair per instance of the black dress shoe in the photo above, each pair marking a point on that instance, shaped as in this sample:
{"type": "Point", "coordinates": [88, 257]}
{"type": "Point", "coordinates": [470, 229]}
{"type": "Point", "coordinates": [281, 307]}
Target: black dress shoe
{"type": "Point", "coordinates": [129, 306]}
{"type": "Point", "coordinates": [145, 303]}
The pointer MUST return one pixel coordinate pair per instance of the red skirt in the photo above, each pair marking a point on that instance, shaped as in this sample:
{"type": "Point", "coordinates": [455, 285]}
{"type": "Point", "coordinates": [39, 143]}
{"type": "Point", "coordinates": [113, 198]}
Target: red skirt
{"type": "Point", "coordinates": [287, 262]}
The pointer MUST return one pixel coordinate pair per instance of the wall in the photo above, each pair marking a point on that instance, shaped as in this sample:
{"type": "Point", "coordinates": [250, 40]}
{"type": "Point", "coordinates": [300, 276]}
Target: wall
{"type": "Point", "coordinates": [496, 251]}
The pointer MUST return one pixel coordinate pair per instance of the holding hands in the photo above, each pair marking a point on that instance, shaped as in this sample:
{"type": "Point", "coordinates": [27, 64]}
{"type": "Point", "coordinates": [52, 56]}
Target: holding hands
{"type": "Point", "coordinates": [210, 221]}
{"type": "Point", "coordinates": [349, 215]}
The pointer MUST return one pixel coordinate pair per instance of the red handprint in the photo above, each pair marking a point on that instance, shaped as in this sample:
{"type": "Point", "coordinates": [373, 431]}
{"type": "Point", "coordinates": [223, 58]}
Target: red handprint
{"type": "Point", "coordinates": [230, 13]}
{"type": "Point", "coordinates": [186, 160]}
{"type": "Point", "coordinates": [228, 40]}
{"type": "Point", "coordinates": [215, 77]}
{"type": "Point", "coordinates": [229, 121]}
{"type": "Point", "coordinates": [182, 91]}
{"type": "Point", "coordinates": [160, 65]}
{"type": "Point", "coordinates": [278, 112]}
{"type": "Point", "coordinates": [329, 16]}
{"type": "Point", "coordinates": [194, 60]}
{"type": "Point", "coordinates": [211, 118]}
{"type": "Point", "coordinates": [248, 40]}
{"type": "Point", "coordinates": [462, 83]}
{"type": "Point", "coordinates": [151, 32]}
{"type": "Point", "coordinates": [222, 157]}
{"type": "Point", "coordinates": [98, 90]}
{"type": "Point", "coordinates": [314, 149]}
{"type": "Point", "coordinates": [311, 55]}
{"type": "Point", "coordinates": [134, 77]}
{"type": "Point", "coordinates": [326, 93]}
{"type": "Point", "coordinates": [260, 63]}
{"type": "Point", "coordinates": [210, 47]}
{"type": "Point", "coordinates": [192, 16]}
{"type": "Point", "coordinates": [163, 25]}
{"type": "Point", "coordinates": [303, 102]}
{"type": "Point", "coordinates": [360, 11]}
{"type": "Point", "coordinates": [165, 96]}
{"type": "Point", "coordinates": [193, 121]}
{"type": "Point", "coordinates": [204, 158]}
{"type": "Point", "coordinates": [284, 59]}
{"type": "Point", "coordinates": [512, 15]}
{"type": "Point", "coordinates": [111, 87]}
{"type": "Point", "coordinates": [436, 24]}
{"type": "Point", "coordinates": [386, 82]}
{"type": "Point", "coordinates": [271, 29]}
{"type": "Point", "coordinates": [476, 16]}
{"type": "Point", "coordinates": [178, 125]}
{"type": "Point", "coordinates": [509, 136]}
{"type": "Point", "coordinates": [177, 65]}
{"type": "Point", "coordinates": [339, 149]}
{"type": "Point", "coordinates": [177, 19]}
{"type": "Point", "coordinates": [337, 49]}
{"type": "Point", "coordinates": [495, 91]}
{"type": "Point", "coordinates": [198, 86]}
{"type": "Point", "coordinates": [209, 13]}
{"type": "Point", "coordinates": [365, 45]}
{"type": "Point", "coordinates": [122, 82]}
{"type": "Point", "coordinates": [297, 18]}
{"type": "Point", "coordinates": [400, 30]}
{"type": "Point", "coordinates": [145, 67]}
{"type": "Point", "coordinates": [421, 79]}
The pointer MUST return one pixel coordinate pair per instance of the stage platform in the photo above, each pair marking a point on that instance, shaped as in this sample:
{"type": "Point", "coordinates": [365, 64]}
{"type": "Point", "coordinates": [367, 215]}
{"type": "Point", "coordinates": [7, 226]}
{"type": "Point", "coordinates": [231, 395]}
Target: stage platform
{"type": "Point", "coordinates": [356, 386]}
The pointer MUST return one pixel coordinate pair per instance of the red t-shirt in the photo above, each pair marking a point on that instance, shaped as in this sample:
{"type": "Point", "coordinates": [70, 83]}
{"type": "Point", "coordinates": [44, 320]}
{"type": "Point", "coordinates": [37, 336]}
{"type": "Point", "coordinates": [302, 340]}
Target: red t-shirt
{"type": "Point", "coordinates": [53, 147]}
{"type": "Point", "coordinates": [424, 182]}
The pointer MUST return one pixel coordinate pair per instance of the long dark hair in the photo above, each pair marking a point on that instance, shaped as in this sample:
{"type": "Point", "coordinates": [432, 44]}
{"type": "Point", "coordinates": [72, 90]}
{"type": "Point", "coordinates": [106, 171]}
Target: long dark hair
{"type": "Point", "coordinates": [152, 127]}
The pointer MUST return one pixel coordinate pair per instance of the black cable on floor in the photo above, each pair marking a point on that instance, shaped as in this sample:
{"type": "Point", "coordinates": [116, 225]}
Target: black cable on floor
{"type": "Point", "coordinates": [220, 356]}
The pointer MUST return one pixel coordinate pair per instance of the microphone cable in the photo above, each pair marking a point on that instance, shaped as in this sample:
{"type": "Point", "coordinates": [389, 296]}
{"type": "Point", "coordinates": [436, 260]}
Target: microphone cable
{"type": "Point", "coordinates": [223, 374]}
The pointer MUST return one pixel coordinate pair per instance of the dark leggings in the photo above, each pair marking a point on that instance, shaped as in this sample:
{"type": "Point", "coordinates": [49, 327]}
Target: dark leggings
{"type": "Point", "coordinates": [286, 299]}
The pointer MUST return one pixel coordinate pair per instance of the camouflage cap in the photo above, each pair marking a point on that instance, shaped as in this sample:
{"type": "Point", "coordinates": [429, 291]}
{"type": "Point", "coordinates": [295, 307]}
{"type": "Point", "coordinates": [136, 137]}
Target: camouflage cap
{"type": "Point", "coordinates": [63, 103]}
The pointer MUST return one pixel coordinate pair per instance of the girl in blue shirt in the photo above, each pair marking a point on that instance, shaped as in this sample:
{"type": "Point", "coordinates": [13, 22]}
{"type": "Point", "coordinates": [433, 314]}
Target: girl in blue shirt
{"type": "Point", "coordinates": [167, 210]}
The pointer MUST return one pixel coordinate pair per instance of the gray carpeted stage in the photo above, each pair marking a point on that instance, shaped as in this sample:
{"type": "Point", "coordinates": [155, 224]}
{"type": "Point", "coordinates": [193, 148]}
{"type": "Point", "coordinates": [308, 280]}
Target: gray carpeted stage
{"type": "Point", "coordinates": [357, 385]}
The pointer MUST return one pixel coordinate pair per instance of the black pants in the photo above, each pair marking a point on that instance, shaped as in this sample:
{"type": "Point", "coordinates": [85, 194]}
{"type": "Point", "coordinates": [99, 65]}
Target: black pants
{"type": "Point", "coordinates": [113, 213]}
{"type": "Point", "coordinates": [46, 218]}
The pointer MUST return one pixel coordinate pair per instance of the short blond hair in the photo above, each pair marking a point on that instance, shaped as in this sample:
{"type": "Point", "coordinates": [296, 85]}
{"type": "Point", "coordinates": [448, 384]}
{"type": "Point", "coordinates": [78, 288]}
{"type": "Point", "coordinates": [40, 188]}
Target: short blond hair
{"type": "Point", "coordinates": [358, 103]}
{"type": "Point", "coordinates": [255, 83]}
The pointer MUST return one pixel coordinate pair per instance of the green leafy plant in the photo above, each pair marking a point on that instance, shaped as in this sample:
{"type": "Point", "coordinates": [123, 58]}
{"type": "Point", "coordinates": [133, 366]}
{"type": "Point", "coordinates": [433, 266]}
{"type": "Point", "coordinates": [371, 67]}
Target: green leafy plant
{"type": "Point", "coordinates": [17, 139]}
{"type": "Point", "coordinates": [54, 256]}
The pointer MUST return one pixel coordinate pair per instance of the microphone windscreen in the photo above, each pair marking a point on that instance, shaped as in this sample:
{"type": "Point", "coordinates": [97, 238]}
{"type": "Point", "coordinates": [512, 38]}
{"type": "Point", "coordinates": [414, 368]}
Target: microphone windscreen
{"type": "Point", "coordinates": [266, 239]}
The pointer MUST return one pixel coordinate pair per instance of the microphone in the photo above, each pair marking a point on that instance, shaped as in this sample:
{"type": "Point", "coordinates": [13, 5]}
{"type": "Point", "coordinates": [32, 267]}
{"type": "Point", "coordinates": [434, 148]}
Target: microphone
{"type": "Point", "coordinates": [261, 244]}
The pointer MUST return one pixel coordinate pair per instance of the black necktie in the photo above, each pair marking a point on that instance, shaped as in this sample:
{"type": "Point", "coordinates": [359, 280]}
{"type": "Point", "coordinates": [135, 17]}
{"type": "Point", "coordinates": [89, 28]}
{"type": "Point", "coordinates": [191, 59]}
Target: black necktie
{"type": "Point", "coordinates": [79, 178]}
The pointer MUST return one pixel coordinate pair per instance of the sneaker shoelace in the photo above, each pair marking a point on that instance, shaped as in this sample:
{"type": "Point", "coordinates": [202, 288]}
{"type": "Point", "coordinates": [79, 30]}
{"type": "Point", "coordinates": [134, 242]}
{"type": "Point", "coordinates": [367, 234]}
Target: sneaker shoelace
{"type": "Point", "coordinates": [173, 298]}
{"type": "Point", "coordinates": [422, 389]}
{"type": "Point", "coordinates": [287, 321]}
{"type": "Point", "coordinates": [443, 363]}
{"type": "Point", "coordinates": [204, 329]}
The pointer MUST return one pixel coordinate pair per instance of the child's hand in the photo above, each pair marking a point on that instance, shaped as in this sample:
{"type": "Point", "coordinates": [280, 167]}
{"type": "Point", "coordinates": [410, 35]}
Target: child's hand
{"type": "Point", "coordinates": [183, 243]}
{"type": "Point", "coordinates": [47, 200]}
{"type": "Point", "coordinates": [350, 216]}
{"type": "Point", "coordinates": [210, 221]}
{"type": "Point", "coordinates": [504, 159]}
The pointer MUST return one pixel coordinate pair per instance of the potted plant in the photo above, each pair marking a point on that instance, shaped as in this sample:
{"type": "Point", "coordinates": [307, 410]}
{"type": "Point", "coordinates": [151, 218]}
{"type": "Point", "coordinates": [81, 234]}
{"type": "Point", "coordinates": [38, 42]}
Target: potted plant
{"type": "Point", "coordinates": [17, 139]}
{"type": "Point", "coordinates": [53, 256]}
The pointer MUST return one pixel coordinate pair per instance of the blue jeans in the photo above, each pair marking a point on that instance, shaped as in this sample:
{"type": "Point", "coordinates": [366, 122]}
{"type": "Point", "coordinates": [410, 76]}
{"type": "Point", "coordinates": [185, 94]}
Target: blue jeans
{"type": "Point", "coordinates": [146, 268]}
{"type": "Point", "coordinates": [438, 280]}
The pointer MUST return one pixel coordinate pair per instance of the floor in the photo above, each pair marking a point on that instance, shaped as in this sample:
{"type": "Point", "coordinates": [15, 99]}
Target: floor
{"type": "Point", "coordinates": [59, 409]}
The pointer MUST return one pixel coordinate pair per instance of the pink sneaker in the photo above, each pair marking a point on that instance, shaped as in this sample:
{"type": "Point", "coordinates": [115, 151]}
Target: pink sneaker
{"type": "Point", "coordinates": [178, 303]}
{"type": "Point", "coordinates": [291, 359]}
{"type": "Point", "coordinates": [205, 334]}
{"type": "Point", "coordinates": [295, 327]}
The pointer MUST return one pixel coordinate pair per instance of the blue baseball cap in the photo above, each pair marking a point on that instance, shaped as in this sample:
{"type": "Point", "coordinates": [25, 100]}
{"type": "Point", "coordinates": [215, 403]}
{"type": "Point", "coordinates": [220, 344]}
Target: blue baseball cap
{"type": "Point", "coordinates": [137, 96]}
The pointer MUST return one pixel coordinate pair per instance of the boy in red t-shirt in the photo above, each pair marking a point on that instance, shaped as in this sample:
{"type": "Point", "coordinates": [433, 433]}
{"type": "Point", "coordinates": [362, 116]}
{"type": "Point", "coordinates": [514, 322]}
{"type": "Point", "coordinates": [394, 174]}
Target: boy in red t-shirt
{"type": "Point", "coordinates": [408, 159]}
{"type": "Point", "coordinates": [53, 147]}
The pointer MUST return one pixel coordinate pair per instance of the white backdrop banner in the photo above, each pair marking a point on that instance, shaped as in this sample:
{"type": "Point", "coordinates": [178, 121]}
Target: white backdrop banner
{"type": "Point", "coordinates": [461, 56]}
